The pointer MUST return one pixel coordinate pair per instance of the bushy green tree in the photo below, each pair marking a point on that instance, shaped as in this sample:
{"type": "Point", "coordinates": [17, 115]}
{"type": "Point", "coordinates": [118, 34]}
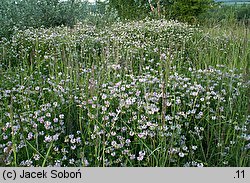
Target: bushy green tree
{"type": "Point", "coordinates": [189, 10]}
{"type": "Point", "coordinates": [37, 13]}
{"type": "Point", "coordinates": [129, 9]}
{"type": "Point", "coordinates": [185, 10]}
{"type": "Point", "coordinates": [7, 16]}
{"type": "Point", "coordinates": [243, 13]}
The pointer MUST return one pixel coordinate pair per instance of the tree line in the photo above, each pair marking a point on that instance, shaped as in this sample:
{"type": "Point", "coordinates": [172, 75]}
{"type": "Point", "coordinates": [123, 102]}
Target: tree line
{"type": "Point", "coordinates": [48, 13]}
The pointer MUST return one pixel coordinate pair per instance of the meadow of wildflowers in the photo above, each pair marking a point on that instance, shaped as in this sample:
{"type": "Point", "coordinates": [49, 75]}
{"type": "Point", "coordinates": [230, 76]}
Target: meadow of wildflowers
{"type": "Point", "coordinates": [143, 93]}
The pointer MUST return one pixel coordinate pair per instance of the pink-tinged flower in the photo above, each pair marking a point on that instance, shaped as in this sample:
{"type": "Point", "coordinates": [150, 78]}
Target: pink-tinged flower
{"type": "Point", "coordinates": [181, 154]}
{"type": "Point", "coordinates": [71, 161]}
{"type": "Point", "coordinates": [128, 141]}
{"type": "Point", "coordinates": [55, 120]}
{"type": "Point", "coordinates": [78, 140]}
{"type": "Point", "coordinates": [132, 156]}
{"type": "Point", "coordinates": [72, 141]}
{"type": "Point", "coordinates": [140, 158]}
{"type": "Point", "coordinates": [61, 116]}
{"type": "Point", "coordinates": [30, 136]}
{"type": "Point", "coordinates": [47, 125]}
{"type": "Point", "coordinates": [142, 153]}
{"type": "Point", "coordinates": [113, 143]}
{"type": "Point", "coordinates": [36, 157]}
{"type": "Point", "coordinates": [55, 137]}
{"type": "Point", "coordinates": [200, 165]}
{"type": "Point", "coordinates": [47, 138]}
{"type": "Point", "coordinates": [104, 96]}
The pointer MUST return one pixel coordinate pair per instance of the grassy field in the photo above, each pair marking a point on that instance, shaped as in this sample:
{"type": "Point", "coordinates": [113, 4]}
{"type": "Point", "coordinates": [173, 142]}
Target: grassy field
{"type": "Point", "coordinates": [145, 93]}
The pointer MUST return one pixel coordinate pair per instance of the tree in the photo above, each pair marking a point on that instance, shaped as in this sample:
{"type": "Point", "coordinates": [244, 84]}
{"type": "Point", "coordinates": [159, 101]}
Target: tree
{"type": "Point", "coordinates": [37, 13]}
{"type": "Point", "coordinates": [129, 9]}
{"type": "Point", "coordinates": [185, 10]}
{"type": "Point", "coordinates": [189, 10]}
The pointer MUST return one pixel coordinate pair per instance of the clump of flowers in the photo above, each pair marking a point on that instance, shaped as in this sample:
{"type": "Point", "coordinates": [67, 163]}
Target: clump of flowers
{"type": "Point", "coordinates": [129, 95]}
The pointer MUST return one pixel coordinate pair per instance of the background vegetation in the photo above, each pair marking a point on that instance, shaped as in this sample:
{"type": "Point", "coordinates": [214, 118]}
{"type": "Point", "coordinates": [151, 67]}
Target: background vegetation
{"type": "Point", "coordinates": [22, 14]}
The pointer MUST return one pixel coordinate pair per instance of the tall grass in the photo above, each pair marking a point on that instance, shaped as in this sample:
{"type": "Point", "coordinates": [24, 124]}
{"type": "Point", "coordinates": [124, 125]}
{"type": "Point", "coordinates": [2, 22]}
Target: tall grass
{"type": "Point", "coordinates": [143, 93]}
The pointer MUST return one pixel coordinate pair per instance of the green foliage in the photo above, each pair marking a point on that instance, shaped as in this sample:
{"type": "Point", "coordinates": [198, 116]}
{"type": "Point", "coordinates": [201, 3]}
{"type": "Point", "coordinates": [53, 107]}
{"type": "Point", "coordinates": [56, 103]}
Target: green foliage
{"type": "Point", "coordinates": [184, 10]}
{"type": "Point", "coordinates": [188, 10]}
{"type": "Point", "coordinates": [129, 9]}
{"type": "Point", "coordinates": [226, 15]}
{"type": "Point", "coordinates": [243, 13]}
{"type": "Point", "coordinates": [37, 13]}
{"type": "Point", "coordinates": [101, 14]}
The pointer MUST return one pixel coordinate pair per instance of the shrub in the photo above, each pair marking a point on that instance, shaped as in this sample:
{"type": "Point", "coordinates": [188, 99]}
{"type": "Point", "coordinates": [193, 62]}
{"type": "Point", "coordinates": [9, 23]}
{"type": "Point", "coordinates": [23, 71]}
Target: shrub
{"type": "Point", "coordinates": [226, 14]}
{"type": "Point", "coordinates": [184, 10]}
{"type": "Point", "coordinates": [37, 13]}
{"type": "Point", "coordinates": [189, 10]}
{"type": "Point", "coordinates": [243, 13]}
